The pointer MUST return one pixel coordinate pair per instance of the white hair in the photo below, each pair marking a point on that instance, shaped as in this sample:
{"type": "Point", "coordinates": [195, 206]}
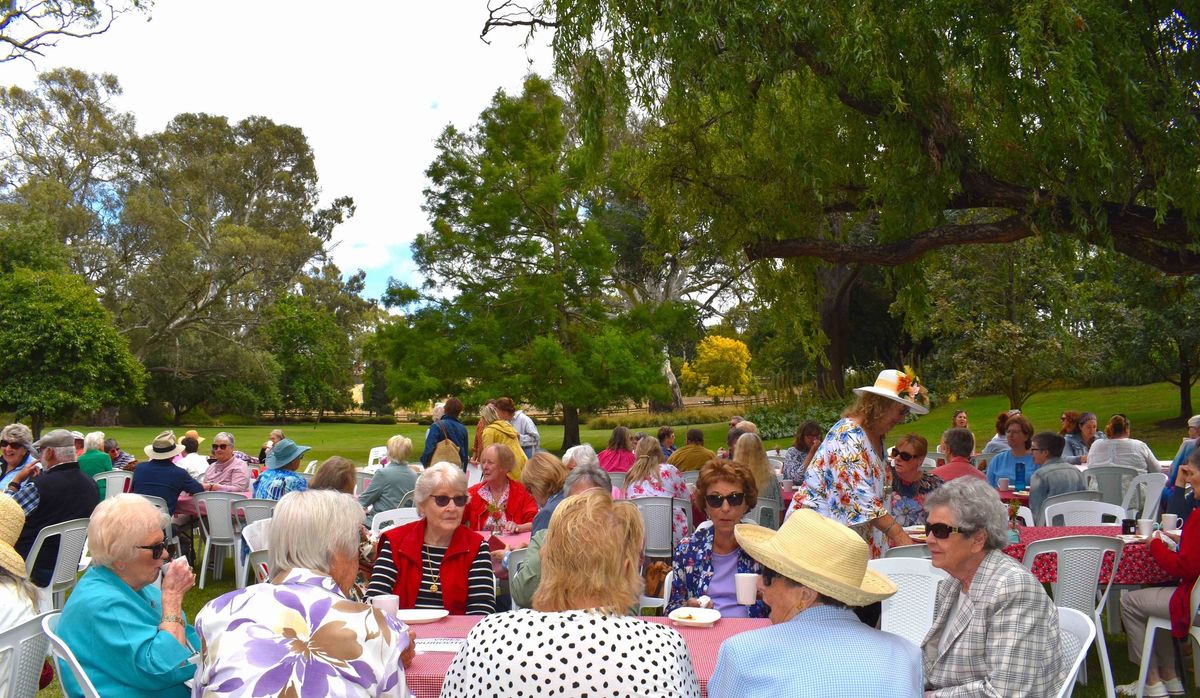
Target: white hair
{"type": "Point", "coordinates": [224, 435]}
{"type": "Point", "coordinates": [438, 474]}
{"type": "Point", "coordinates": [62, 454]}
{"type": "Point", "coordinates": [120, 524]}
{"type": "Point", "coordinates": [94, 441]}
{"type": "Point", "coordinates": [294, 541]}
{"type": "Point", "coordinates": [583, 454]}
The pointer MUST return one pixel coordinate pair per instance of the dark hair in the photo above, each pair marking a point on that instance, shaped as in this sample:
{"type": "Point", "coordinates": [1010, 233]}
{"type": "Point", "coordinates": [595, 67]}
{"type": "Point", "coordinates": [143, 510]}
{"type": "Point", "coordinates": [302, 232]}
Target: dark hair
{"type": "Point", "coordinates": [1026, 427]}
{"type": "Point", "coordinates": [919, 442]}
{"type": "Point", "coordinates": [954, 418]}
{"type": "Point", "coordinates": [453, 407]}
{"type": "Point", "coordinates": [664, 432]}
{"type": "Point", "coordinates": [719, 469]}
{"type": "Point", "coordinates": [732, 437]}
{"type": "Point", "coordinates": [505, 404]}
{"type": "Point", "coordinates": [619, 441]}
{"type": "Point", "coordinates": [190, 444]}
{"type": "Point", "coordinates": [806, 429]}
{"type": "Point", "coordinates": [1118, 425]}
{"type": "Point", "coordinates": [695, 436]}
{"type": "Point", "coordinates": [1053, 443]}
{"type": "Point", "coordinates": [1072, 423]}
{"type": "Point", "coordinates": [1001, 422]}
{"type": "Point", "coordinates": [959, 442]}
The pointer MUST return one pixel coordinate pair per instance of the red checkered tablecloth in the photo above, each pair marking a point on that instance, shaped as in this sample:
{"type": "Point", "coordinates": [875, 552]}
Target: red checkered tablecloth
{"type": "Point", "coordinates": [428, 670]}
{"type": "Point", "coordinates": [1137, 566]}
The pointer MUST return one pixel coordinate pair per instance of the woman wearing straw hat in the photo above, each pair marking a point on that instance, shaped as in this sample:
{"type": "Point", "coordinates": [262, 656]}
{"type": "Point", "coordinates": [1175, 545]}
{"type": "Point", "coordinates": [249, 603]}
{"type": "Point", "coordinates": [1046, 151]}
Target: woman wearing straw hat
{"type": "Point", "coordinates": [845, 479]}
{"type": "Point", "coordinates": [995, 630]}
{"type": "Point", "coordinates": [18, 596]}
{"type": "Point", "coordinates": [814, 569]}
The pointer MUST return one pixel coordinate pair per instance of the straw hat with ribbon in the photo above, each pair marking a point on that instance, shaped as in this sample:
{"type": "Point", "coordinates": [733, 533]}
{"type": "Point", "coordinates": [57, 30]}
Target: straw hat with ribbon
{"type": "Point", "coordinates": [165, 447]}
{"type": "Point", "coordinates": [192, 433]}
{"type": "Point", "coordinates": [12, 520]}
{"type": "Point", "coordinates": [903, 387]}
{"type": "Point", "coordinates": [819, 553]}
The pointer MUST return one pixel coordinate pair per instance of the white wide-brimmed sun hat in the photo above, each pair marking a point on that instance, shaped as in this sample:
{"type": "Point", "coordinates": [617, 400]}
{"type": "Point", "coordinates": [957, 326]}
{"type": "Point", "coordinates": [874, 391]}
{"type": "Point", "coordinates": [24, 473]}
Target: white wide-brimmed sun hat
{"type": "Point", "coordinates": [898, 386]}
{"type": "Point", "coordinates": [819, 553]}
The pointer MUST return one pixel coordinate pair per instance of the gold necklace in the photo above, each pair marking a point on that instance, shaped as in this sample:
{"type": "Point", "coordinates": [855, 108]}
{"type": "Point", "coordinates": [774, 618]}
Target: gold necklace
{"type": "Point", "coordinates": [433, 576]}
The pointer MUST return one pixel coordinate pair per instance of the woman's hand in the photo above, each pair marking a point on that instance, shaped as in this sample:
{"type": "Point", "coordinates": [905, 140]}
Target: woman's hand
{"type": "Point", "coordinates": [410, 652]}
{"type": "Point", "coordinates": [899, 537]}
{"type": "Point", "coordinates": [177, 580]}
{"type": "Point", "coordinates": [693, 603]}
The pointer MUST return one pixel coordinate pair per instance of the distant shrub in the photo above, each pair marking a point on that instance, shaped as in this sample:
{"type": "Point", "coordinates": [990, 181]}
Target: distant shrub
{"type": "Point", "coordinates": [781, 421]}
{"type": "Point", "coordinates": [644, 420]}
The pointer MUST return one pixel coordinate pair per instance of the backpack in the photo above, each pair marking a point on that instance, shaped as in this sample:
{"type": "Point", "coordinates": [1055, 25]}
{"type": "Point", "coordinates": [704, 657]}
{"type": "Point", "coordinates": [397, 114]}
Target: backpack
{"type": "Point", "coordinates": [446, 450]}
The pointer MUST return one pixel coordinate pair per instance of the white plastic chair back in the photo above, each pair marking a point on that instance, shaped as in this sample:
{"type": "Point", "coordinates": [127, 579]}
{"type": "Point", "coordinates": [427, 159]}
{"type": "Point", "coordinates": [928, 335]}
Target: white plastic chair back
{"type": "Point", "coordinates": [928, 464]}
{"type": "Point", "coordinates": [257, 535]}
{"type": "Point", "coordinates": [1079, 561]}
{"type": "Point", "coordinates": [218, 531]}
{"type": "Point", "coordinates": [376, 455]}
{"type": "Point", "coordinates": [766, 513]}
{"type": "Point", "coordinates": [115, 481]}
{"type": "Point", "coordinates": [65, 657]}
{"type": "Point", "coordinates": [920, 550]}
{"type": "Point", "coordinates": [72, 540]}
{"type": "Point", "coordinates": [1156, 623]}
{"type": "Point", "coordinates": [253, 510]}
{"type": "Point", "coordinates": [657, 518]}
{"type": "Point", "coordinates": [159, 503]}
{"type": "Point", "coordinates": [474, 475]}
{"type": "Point", "coordinates": [690, 476]}
{"type": "Point", "coordinates": [308, 477]}
{"type": "Point", "coordinates": [1076, 631]}
{"type": "Point", "coordinates": [1110, 480]}
{"type": "Point", "coordinates": [618, 480]}
{"type": "Point", "coordinates": [776, 463]}
{"type": "Point", "coordinates": [311, 468]}
{"type": "Point", "coordinates": [22, 649]}
{"type": "Point", "coordinates": [257, 563]}
{"type": "Point", "coordinates": [1145, 489]}
{"type": "Point", "coordinates": [169, 536]}
{"type": "Point", "coordinates": [392, 518]}
{"type": "Point", "coordinates": [409, 499]}
{"type": "Point", "coordinates": [1025, 514]}
{"type": "Point", "coordinates": [1083, 513]}
{"type": "Point", "coordinates": [362, 480]}
{"type": "Point", "coordinates": [909, 612]}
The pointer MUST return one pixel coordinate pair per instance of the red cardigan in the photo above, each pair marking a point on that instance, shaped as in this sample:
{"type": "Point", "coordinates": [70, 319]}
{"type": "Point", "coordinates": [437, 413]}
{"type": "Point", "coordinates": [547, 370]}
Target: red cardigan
{"type": "Point", "coordinates": [1184, 564]}
{"type": "Point", "coordinates": [406, 543]}
{"type": "Point", "coordinates": [520, 510]}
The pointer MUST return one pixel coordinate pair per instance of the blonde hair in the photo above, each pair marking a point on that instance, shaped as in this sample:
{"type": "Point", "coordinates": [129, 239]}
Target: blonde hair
{"type": "Point", "coordinates": [749, 452]}
{"type": "Point", "coordinates": [336, 473]}
{"type": "Point", "coordinates": [399, 448]}
{"type": "Point", "coordinates": [646, 465]}
{"type": "Point", "coordinates": [544, 474]}
{"type": "Point", "coordinates": [119, 525]}
{"type": "Point", "coordinates": [590, 556]}
{"type": "Point", "coordinates": [488, 414]}
{"type": "Point", "coordinates": [869, 409]}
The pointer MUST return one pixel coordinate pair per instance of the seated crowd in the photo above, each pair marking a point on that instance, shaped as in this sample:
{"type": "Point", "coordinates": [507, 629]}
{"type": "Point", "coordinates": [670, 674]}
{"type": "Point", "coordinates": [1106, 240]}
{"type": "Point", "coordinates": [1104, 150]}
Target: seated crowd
{"type": "Point", "coordinates": [318, 626]}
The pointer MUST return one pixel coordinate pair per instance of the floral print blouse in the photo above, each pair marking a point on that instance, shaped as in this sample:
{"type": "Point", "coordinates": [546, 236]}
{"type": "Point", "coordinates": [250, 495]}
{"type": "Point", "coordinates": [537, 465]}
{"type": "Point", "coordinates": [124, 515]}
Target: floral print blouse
{"type": "Point", "coordinates": [300, 637]}
{"type": "Point", "coordinates": [673, 485]}
{"type": "Point", "coordinates": [793, 465]}
{"type": "Point", "coordinates": [694, 570]}
{"type": "Point", "coordinates": [273, 484]}
{"type": "Point", "coordinates": [907, 502]}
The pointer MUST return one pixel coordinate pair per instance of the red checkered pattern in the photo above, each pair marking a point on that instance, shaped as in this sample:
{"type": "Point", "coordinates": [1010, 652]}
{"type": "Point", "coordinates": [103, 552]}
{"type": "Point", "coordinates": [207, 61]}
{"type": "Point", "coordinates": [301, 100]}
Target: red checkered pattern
{"type": "Point", "coordinates": [1137, 566]}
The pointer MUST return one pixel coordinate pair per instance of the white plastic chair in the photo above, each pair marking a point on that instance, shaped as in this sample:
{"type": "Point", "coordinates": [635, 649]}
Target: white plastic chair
{"type": "Point", "coordinates": [690, 476]}
{"type": "Point", "coordinates": [909, 612]}
{"type": "Point", "coordinates": [1156, 623]}
{"type": "Point", "coordinates": [311, 468]}
{"type": "Point", "coordinates": [649, 602]}
{"type": "Point", "coordinates": [253, 510]}
{"type": "Point", "coordinates": [776, 463]}
{"type": "Point", "coordinates": [71, 542]}
{"type": "Point", "coordinates": [920, 550]}
{"type": "Point", "coordinates": [618, 480]}
{"type": "Point", "coordinates": [1110, 480]}
{"type": "Point", "coordinates": [1079, 561]}
{"type": "Point", "coordinates": [928, 465]}
{"type": "Point", "coordinates": [376, 455]}
{"type": "Point", "coordinates": [256, 562]}
{"type": "Point", "coordinates": [392, 518]}
{"type": "Point", "coordinates": [1025, 514]}
{"type": "Point", "coordinates": [362, 480]}
{"type": "Point", "coordinates": [1146, 488]}
{"type": "Point", "coordinates": [1076, 631]}
{"type": "Point", "coordinates": [308, 477]}
{"type": "Point", "coordinates": [256, 535]}
{"type": "Point", "coordinates": [115, 481]}
{"type": "Point", "coordinates": [1083, 513]}
{"type": "Point", "coordinates": [218, 532]}
{"type": "Point", "coordinates": [766, 513]}
{"type": "Point", "coordinates": [22, 649]}
{"type": "Point", "coordinates": [516, 558]}
{"type": "Point", "coordinates": [64, 656]}
{"type": "Point", "coordinates": [657, 515]}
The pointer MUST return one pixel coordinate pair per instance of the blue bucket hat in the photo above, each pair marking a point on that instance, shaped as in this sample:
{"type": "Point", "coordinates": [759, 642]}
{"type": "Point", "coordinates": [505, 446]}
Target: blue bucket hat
{"type": "Point", "coordinates": [285, 452]}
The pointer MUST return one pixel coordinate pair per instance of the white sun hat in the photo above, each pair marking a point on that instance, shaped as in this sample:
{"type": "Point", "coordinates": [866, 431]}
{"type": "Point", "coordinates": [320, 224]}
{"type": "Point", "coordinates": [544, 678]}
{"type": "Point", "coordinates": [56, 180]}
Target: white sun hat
{"type": "Point", "coordinates": [898, 386]}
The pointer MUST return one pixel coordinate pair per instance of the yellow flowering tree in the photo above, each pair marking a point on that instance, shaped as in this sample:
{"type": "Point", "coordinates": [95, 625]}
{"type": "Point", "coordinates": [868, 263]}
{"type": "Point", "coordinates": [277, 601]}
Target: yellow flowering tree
{"type": "Point", "coordinates": [721, 368]}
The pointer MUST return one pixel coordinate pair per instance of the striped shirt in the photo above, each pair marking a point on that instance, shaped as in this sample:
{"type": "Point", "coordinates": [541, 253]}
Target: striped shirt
{"type": "Point", "coordinates": [481, 590]}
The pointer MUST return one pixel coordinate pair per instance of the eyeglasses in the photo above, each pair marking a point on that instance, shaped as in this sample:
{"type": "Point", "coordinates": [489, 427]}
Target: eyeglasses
{"type": "Point", "coordinates": [943, 531]}
{"type": "Point", "coordinates": [1040, 450]}
{"type": "Point", "coordinates": [156, 551]}
{"type": "Point", "coordinates": [896, 453]}
{"type": "Point", "coordinates": [219, 446]}
{"type": "Point", "coordinates": [768, 576]}
{"type": "Point", "coordinates": [460, 500]}
{"type": "Point", "coordinates": [13, 444]}
{"type": "Point", "coordinates": [716, 501]}
{"type": "Point", "coordinates": [1063, 418]}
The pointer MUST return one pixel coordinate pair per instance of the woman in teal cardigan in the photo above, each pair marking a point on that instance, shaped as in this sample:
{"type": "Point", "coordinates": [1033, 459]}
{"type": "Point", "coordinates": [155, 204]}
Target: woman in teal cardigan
{"type": "Point", "coordinates": [130, 638]}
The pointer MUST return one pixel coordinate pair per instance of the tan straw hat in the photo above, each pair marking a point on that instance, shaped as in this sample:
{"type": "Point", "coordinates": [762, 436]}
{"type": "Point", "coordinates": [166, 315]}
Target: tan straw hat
{"type": "Point", "coordinates": [899, 386]}
{"type": "Point", "coordinates": [12, 520]}
{"type": "Point", "coordinates": [165, 447]}
{"type": "Point", "coordinates": [192, 433]}
{"type": "Point", "coordinates": [819, 553]}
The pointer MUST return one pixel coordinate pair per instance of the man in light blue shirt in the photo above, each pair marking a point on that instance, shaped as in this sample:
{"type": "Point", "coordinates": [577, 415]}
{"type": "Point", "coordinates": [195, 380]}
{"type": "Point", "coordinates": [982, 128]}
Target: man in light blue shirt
{"type": "Point", "coordinates": [814, 570]}
{"type": "Point", "coordinates": [1054, 475]}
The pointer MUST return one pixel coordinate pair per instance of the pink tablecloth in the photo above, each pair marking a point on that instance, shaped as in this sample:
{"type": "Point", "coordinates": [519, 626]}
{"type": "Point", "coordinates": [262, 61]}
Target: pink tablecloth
{"type": "Point", "coordinates": [428, 670]}
{"type": "Point", "coordinates": [1137, 566]}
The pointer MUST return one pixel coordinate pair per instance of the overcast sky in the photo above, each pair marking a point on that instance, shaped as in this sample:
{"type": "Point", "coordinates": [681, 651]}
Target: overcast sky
{"type": "Point", "coordinates": [371, 90]}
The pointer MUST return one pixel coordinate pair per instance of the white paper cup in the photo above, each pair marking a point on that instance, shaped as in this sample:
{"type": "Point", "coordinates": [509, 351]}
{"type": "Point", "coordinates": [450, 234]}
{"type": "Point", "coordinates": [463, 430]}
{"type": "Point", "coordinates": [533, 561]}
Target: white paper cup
{"type": "Point", "coordinates": [1145, 527]}
{"type": "Point", "coordinates": [1170, 522]}
{"type": "Point", "coordinates": [786, 484]}
{"type": "Point", "coordinates": [1002, 483]}
{"type": "Point", "coordinates": [747, 588]}
{"type": "Point", "coordinates": [388, 603]}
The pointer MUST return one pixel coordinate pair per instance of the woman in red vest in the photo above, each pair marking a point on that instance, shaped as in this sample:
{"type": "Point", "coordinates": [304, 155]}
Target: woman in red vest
{"type": "Point", "coordinates": [436, 562]}
{"type": "Point", "coordinates": [499, 503]}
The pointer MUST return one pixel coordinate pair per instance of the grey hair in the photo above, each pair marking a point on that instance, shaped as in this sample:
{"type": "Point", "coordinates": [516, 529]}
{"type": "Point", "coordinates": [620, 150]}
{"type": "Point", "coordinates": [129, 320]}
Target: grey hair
{"type": "Point", "coordinates": [588, 473]}
{"type": "Point", "coordinates": [120, 524]}
{"type": "Point", "coordinates": [442, 473]}
{"type": "Point", "coordinates": [277, 432]}
{"type": "Point", "coordinates": [20, 433]}
{"type": "Point", "coordinates": [93, 441]}
{"type": "Point", "coordinates": [110, 444]}
{"type": "Point", "coordinates": [298, 515]}
{"type": "Point", "coordinates": [959, 442]}
{"type": "Point", "coordinates": [224, 435]}
{"type": "Point", "coordinates": [583, 454]}
{"type": "Point", "coordinates": [62, 454]}
{"type": "Point", "coordinates": [975, 506]}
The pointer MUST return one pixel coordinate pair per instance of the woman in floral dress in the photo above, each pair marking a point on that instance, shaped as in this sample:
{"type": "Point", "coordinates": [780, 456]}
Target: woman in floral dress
{"type": "Point", "coordinates": [804, 446]}
{"type": "Point", "coordinates": [650, 476]}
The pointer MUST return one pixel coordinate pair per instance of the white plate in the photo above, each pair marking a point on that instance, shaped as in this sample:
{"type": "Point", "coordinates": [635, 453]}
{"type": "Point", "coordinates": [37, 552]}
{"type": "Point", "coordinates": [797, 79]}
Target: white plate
{"type": "Point", "coordinates": [695, 617]}
{"type": "Point", "coordinates": [417, 616]}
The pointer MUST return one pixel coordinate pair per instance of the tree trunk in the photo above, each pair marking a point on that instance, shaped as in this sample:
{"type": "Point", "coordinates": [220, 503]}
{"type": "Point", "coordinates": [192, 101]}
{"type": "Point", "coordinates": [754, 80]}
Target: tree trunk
{"type": "Point", "coordinates": [570, 426]}
{"type": "Point", "coordinates": [37, 422]}
{"type": "Point", "coordinates": [834, 308]}
{"type": "Point", "coordinates": [676, 393]}
{"type": "Point", "coordinates": [107, 417]}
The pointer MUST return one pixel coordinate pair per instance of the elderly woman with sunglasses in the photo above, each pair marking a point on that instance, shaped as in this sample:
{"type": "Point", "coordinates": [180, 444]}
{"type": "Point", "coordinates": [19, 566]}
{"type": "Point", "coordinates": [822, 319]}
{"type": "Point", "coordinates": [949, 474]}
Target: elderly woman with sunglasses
{"type": "Point", "coordinates": [995, 630]}
{"type": "Point", "coordinates": [909, 484]}
{"type": "Point", "coordinates": [130, 636]}
{"type": "Point", "coordinates": [436, 562]}
{"type": "Point", "coordinates": [705, 563]}
{"type": "Point", "coordinates": [16, 452]}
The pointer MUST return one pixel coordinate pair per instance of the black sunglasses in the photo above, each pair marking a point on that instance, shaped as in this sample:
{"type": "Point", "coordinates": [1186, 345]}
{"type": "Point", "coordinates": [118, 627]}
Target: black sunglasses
{"type": "Point", "coordinates": [14, 444]}
{"type": "Point", "coordinates": [896, 453]}
{"type": "Point", "coordinates": [460, 500]}
{"type": "Point", "coordinates": [768, 576]}
{"type": "Point", "coordinates": [716, 501]}
{"type": "Point", "coordinates": [221, 446]}
{"type": "Point", "coordinates": [943, 531]}
{"type": "Point", "coordinates": [156, 551]}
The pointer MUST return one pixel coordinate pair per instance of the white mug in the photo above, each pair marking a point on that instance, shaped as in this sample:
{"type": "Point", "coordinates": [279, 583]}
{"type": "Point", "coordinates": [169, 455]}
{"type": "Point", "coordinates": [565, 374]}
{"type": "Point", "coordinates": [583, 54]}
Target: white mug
{"type": "Point", "coordinates": [388, 603]}
{"type": "Point", "coordinates": [1002, 483]}
{"type": "Point", "coordinates": [746, 585]}
{"type": "Point", "coordinates": [1170, 522]}
{"type": "Point", "coordinates": [1145, 527]}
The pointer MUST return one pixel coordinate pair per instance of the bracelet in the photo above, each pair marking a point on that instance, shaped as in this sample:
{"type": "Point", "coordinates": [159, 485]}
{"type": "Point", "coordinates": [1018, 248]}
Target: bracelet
{"type": "Point", "coordinates": [171, 618]}
{"type": "Point", "coordinates": [889, 528]}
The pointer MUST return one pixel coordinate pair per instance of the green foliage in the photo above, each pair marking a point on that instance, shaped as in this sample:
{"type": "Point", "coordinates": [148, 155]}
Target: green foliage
{"type": "Point", "coordinates": [60, 353]}
{"type": "Point", "coordinates": [781, 421]}
{"type": "Point", "coordinates": [653, 420]}
{"type": "Point", "coordinates": [313, 355]}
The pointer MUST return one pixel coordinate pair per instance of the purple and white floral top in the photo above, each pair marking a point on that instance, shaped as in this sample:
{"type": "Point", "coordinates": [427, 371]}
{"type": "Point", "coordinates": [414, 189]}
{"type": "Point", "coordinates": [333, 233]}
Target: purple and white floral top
{"type": "Point", "coordinates": [671, 484]}
{"type": "Point", "coordinates": [301, 637]}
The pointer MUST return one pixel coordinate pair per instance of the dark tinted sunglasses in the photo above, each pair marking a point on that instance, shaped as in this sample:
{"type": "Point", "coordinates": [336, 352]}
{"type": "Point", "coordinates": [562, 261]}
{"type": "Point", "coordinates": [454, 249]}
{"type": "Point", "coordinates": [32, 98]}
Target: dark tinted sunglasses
{"type": "Point", "coordinates": [768, 576]}
{"type": "Point", "coordinates": [156, 551]}
{"type": "Point", "coordinates": [220, 446]}
{"type": "Point", "coordinates": [14, 444]}
{"type": "Point", "coordinates": [716, 501]}
{"type": "Point", "coordinates": [460, 500]}
{"type": "Point", "coordinates": [896, 453]}
{"type": "Point", "coordinates": [943, 531]}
